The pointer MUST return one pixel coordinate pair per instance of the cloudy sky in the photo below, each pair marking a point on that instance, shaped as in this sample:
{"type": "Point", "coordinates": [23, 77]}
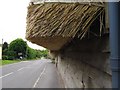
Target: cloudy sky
{"type": "Point", "coordinates": [13, 20]}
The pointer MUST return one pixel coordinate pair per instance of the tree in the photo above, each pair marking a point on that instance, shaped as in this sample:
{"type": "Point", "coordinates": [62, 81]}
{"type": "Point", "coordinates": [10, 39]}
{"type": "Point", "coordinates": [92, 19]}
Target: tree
{"type": "Point", "coordinates": [4, 51]}
{"type": "Point", "coordinates": [38, 54]}
{"type": "Point", "coordinates": [19, 47]}
{"type": "Point", "coordinates": [44, 53]}
{"type": "Point", "coordinates": [5, 46]}
{"type": "Point", "coordinates": [31, 53]}
{"type": "Point", "coordinates": [11, 55]}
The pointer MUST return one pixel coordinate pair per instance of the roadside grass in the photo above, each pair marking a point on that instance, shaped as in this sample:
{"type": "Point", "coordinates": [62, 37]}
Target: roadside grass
{"type": "Point", "coordinates": [4, 62]}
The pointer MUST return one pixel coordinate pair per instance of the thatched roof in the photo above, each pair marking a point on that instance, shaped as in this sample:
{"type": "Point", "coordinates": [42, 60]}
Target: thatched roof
{"type": "Point", "coordinates": [59, 21]}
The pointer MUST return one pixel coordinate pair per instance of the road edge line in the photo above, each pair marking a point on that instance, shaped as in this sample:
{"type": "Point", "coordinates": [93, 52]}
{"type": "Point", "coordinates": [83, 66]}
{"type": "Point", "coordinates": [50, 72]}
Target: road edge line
{"type": "Point", "coordinates": [39, 77]}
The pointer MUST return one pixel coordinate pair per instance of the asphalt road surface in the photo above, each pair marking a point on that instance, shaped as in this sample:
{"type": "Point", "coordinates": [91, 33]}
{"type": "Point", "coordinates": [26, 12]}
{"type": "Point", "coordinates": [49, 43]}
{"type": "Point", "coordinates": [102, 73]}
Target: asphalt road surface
{"type": "Point", "coordinates": [30, 74]}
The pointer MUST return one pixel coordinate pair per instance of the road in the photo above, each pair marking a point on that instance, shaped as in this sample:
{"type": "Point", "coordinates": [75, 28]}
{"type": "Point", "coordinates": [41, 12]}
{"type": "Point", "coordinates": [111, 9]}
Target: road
{"type": "Point", "coordinates": [30, 74]}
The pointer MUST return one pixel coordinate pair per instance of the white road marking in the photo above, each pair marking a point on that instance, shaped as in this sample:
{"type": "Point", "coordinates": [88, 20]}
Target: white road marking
{"type": "Point", "coordinates": [39, 77]}
{"type": "Point", "coordinates": [6, 75]}
{"type": "Point", "coordinates": [20, 69]}
{"type": "Point", "coordinates": [23, 68]}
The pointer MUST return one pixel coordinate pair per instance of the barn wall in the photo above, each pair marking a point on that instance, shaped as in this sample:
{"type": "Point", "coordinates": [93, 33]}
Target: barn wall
{"type": "Point", "coordinates": [85, 63]}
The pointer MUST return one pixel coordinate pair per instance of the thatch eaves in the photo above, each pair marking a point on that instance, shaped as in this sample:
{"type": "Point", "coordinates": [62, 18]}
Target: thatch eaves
{"type": "Point", "coordinates": [53, 24]}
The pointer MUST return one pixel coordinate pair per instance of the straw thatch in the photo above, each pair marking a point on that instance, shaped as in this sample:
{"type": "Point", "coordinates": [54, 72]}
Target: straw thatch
{"type": "Point", "coordinates": [53, 24]}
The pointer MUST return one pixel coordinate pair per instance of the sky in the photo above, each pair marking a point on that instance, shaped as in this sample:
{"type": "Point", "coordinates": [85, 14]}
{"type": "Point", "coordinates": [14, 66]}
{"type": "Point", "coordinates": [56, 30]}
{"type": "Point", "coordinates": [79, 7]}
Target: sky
{"type": "Point", "coordinates": [13, 21]}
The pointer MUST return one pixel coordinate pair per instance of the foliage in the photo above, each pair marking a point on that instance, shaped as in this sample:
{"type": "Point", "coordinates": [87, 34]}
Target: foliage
{"type": "Point", "coordinates": [4, 62]}
{"type": "Point", "coordinates": [4, 57]}
{"type": "Point", "coordinates": [31, 53]}
{"type": "Point", "coordinates": [18, 46]}
{"type": "Point", "coordinates": [44, 53]}
{"type": "Point", "coordinates": [38, 54]}
{"type": "Point", "coordinates": [4, 50]}
{"type": "Point", "coordinates": [5, 46]}
{"type": "Point", "coordinates": [11, 55]}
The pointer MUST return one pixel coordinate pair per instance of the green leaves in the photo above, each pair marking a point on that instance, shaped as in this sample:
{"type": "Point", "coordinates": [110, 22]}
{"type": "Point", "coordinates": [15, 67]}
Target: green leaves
{"type": "Point", "coordinates": [5, 46]}
{"type": "Point", "coordinates": [34, 54]}
{"type": "Point", "coordinates": [18, 46]}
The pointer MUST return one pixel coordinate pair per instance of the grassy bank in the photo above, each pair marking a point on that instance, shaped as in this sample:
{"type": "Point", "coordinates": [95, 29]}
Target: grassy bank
{"type": "Point", "coordinates": [4, 62]}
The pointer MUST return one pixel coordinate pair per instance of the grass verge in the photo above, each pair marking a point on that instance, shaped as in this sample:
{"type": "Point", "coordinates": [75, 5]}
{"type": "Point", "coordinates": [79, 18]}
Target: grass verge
{"type": "Point", "coordinates": [4, 62]}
